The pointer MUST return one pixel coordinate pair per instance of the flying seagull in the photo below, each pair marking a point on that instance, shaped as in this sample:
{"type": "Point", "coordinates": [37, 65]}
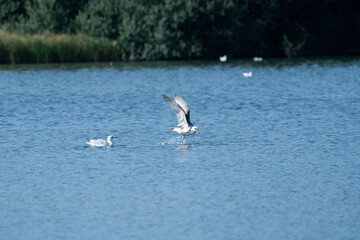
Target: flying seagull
{"type": "Point", "coordinates": [101, 142]}
{"type": "Point", "coordinates": [184, 127]}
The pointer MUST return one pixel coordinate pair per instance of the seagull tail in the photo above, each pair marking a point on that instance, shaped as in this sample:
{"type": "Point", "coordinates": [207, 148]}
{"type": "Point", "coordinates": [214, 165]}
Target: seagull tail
{"type": "Point", "coordinates": [87, 139]}
{"type": "Point", "coordinates": [175, 129]}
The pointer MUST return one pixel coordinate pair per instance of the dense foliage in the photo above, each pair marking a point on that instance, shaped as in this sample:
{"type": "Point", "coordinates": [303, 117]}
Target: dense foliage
{"type": "Point", "coordinates": [185, 29]}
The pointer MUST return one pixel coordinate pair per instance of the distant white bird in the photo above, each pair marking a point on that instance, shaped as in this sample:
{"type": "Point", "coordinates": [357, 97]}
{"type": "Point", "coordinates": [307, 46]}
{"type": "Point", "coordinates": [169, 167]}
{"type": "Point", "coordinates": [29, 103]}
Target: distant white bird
{"type": "Point", "coordinates": [247, 74]}
{"type": "Point", "coordinates": [257, 59]}
{"type": "Point", "coordinates": [101, 142]}
{"type": "Point", "coordinates": [223, 58]}
{"type": "Point", "coordinates": [184, 127]}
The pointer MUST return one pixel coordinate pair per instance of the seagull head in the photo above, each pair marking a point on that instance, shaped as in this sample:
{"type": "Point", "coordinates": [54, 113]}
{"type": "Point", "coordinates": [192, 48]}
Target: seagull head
{"type": "Point", "coordinates": [195, 129]}
{"type": "Point", "coordinates": [110, 137]}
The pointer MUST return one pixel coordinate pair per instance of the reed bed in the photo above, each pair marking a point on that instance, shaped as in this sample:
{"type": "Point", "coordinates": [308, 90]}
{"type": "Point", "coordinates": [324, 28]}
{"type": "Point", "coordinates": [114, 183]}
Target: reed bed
{"type": "Point", "coordinates": [54, 48]}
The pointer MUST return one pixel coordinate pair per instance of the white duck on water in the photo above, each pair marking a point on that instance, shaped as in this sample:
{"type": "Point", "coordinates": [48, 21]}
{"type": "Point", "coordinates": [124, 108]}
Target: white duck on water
{"type": "Point", "coordinates": [184, 127]}
{"type": "Point", "coordinates": [247, 74]}
{"type": "Point", "coordinates": [223, 58]}
{"type": "Point", "coordinates": [101, 142]}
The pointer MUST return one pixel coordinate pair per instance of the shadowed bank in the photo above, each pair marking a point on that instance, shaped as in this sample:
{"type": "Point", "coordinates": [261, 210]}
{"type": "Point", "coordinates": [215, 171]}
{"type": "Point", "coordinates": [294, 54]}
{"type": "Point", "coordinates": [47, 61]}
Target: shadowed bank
{"type": "Point", "coordinates": [111, 30]}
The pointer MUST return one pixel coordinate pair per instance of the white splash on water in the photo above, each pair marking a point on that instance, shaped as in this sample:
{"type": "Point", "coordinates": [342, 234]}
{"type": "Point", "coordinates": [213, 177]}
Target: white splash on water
{"type": "Point", "coordinates": [172, 141]}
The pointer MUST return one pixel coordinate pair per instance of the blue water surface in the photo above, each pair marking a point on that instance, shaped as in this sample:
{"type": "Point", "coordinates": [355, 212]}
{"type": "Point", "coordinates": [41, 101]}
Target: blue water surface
{"type": "Point", "coordinates": [278, 156]}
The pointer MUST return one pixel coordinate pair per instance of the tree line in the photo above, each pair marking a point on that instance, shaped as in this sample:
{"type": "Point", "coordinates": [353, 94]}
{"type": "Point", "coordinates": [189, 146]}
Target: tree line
{"type": "Point", "coordinates": [196, 29]}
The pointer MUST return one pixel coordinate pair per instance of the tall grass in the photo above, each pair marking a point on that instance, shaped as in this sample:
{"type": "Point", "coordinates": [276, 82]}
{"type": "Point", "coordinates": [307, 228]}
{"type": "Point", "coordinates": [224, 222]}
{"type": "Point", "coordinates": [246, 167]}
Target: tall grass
{"type": "Point", "coordinates": [51, 48]}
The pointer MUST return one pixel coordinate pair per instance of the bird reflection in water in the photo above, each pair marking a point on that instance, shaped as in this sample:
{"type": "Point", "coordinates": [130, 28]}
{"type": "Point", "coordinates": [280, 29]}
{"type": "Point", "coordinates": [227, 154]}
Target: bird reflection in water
{"type": "Point", "coordinates": [183, 147]}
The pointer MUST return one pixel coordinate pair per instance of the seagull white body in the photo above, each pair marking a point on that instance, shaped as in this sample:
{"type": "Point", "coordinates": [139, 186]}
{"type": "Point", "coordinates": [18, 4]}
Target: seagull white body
{"type": "Point", "coordinates": [184, 127]}
{"type": "Point", "coordinates": [223, 58]}
{"type": "Point", "coordinates": [247, 74]}
{"type": "Point", "coordinates": [101, 142]}
{"type": "Point", "coordinates": [257, 59]}
{"type": "Point", "coordinates": [185, 131]}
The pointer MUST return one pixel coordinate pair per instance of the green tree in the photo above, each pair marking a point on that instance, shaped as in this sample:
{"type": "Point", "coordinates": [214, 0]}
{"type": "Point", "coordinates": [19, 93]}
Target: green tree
{"type": "Point", "coordinates": [40, 16]}
{"type": "Point", "coordinates": [100, 18]}
{"type": "Point", "coordinates": [11, 11]}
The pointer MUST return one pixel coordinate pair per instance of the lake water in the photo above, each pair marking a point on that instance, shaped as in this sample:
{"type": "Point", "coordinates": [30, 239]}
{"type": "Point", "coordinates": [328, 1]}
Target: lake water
{"type": "Point", "coordinates": [278, 156]}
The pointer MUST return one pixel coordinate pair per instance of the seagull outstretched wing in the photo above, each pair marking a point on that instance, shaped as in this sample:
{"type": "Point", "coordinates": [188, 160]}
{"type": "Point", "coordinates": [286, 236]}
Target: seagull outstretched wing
{"type": "Point", "coordinates": [181, 115]}
{"type": "Point", "coordinates": [182, 103]}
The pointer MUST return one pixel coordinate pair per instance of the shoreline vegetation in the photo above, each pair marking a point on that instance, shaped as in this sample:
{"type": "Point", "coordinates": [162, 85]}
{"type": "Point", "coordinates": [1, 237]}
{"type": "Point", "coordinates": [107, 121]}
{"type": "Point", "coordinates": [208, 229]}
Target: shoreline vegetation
{"type": "Point", "coordinates": [57, 48]}
{"type": "Point", "coordinates": [53, 31]}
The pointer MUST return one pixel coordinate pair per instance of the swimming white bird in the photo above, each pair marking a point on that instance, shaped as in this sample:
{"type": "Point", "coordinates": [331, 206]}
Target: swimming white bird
{"type": "Point", "coordinates": [223, 58]}
{"type": "Point", "coordinates": [257, 59]}
{"type": "Point", "coordinates": [101, 142]}
{"type": "Point", "coordinates": [247, 74]}
{"type": "Point", "coordinates": [184, 127]}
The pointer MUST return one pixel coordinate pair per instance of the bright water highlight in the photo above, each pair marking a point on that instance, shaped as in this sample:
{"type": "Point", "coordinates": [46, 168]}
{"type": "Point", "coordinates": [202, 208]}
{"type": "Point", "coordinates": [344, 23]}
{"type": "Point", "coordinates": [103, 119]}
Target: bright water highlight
{"type": "Point", "coordinates": [277, 157]}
